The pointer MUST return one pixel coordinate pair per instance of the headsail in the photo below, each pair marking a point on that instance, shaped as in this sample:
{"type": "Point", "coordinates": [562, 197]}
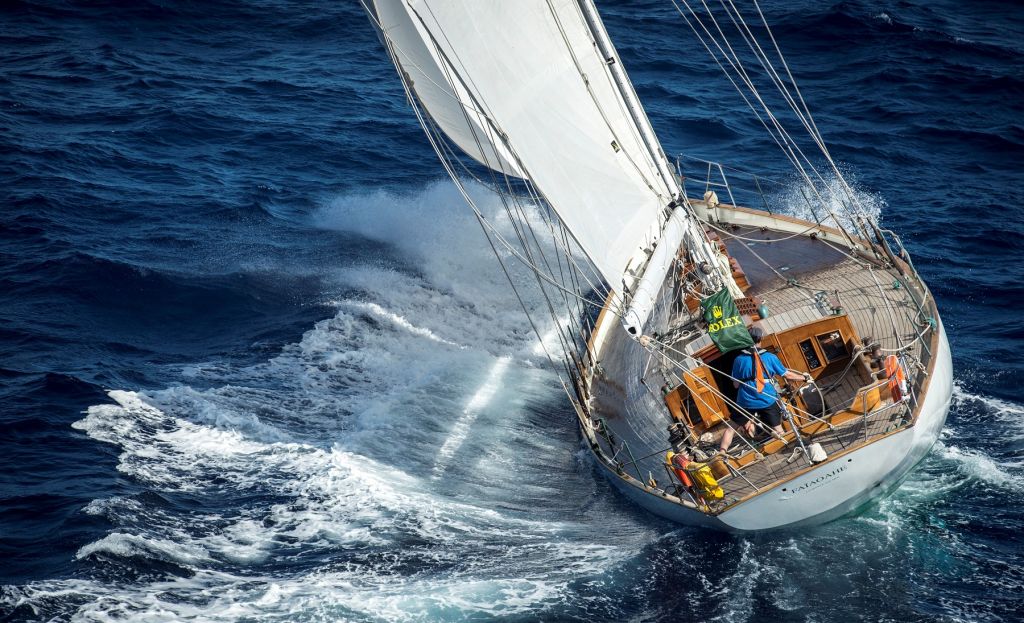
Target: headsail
{"type": "Point", "coordinates": [542, 96]}
{"type": "Point", "coordinates": [533, 71]}
{"type": "Point", "coordinates": [439, 87]}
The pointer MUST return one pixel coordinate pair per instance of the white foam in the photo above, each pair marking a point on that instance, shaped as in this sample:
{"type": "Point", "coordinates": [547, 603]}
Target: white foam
{"type": "Point", "coordinates": [954, 464]}
{"type": "Point", "coordinates": [989, 406]}
{"type": "Point", "coordinates": [342, 445]}
{"type": "Point", "coordinates": [433, 229]}
{"type": "Point", "coordinates": [107, 506]}
{"type": "Point", "coordinates": [331, 499]}
{"type": "Point", "coordinates": [996, 424]}
{"type": "Point", "coordinates": [442, 240]}
{"type": "Point", "coordinates": [127, 545]}
{"type": "Point", "coordinates": [979, 466]}
{"type": "Point", "coordinates": [335, 595]}
{"type": "Point", "coordinates": [549, 342]}
{"type": "Point", "coordinates": [321, 479]}
{"type": "Point", "coordinates": [833, 199]}
{"type": "Point", "coordinates": [738, 591]}
{"type": "Point", "coordinates": [402, 322]}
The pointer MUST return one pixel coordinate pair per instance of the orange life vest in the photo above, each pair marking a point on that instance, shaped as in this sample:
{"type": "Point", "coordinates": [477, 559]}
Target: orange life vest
{"type": "Point", "coordinates": [897, 380]}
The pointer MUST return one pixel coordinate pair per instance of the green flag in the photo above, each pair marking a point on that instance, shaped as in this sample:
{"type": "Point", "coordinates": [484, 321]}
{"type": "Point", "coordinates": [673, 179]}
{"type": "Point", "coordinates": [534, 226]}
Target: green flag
{"type": "Point", "coordinates": [725, 325]}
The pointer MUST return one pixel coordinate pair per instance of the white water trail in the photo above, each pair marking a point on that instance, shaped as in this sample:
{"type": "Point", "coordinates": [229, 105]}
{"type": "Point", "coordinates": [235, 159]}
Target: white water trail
{"type": "Point", "coordinates": [327, 481]}
{"type": "Point", "coordinates": [331, 502]}
{"type": "Point", "coordinates": [400, 321]}
{"type": "Point", "coordinates": [986, 462]}
{"type": "Point", "coordinates": [1001, 438]}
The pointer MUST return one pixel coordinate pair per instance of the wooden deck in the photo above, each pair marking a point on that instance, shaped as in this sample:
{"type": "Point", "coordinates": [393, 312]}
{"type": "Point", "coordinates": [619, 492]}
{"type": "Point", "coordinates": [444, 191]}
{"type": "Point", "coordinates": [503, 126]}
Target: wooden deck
{"type": "Point", "coordinates": [880, 307]}
{"type": "Point", "coordinates": [800, 280]}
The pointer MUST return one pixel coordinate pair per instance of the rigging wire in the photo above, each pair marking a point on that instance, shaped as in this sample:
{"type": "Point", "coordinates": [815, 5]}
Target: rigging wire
{"type": "Point", "coordinates": [779, 134]}
{"type": "Point", "coordinates": [796, 88]}
{"type": "Point", "coordinates": [531, 189]}
{"type": "Point", "coordinates": [468, 199]}
{"type": "Point", "coordinates": [439, 144]}
{"type": "Point", "coordinates": [517, 224]}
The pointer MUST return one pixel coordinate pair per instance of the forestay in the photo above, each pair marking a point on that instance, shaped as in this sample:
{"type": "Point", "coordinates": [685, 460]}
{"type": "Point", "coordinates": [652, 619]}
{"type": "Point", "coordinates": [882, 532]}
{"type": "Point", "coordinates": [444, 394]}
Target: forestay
{"type": "Point", "coordinates": [536, 99]}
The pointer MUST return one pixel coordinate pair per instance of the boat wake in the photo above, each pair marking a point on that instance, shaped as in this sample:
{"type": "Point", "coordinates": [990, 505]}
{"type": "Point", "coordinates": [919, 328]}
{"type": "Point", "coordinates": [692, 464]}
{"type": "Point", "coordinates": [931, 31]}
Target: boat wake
{"type": "Point", "coordinates": [412, 458]}
{"type": "Point", "coordinates": [352, 532]}
{"type": "Point", "coordinates": [407, 459]}
{"type": "Point", "coordinates": [992, 454]}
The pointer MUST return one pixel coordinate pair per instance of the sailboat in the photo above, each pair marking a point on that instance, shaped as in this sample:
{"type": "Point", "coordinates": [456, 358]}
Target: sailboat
{"type": "Point", "coordinates": [648, 279]}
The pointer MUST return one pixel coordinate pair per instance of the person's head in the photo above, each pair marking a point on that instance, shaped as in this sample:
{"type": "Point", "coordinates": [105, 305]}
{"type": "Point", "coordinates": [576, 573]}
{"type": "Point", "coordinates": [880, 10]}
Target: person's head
{"type": "Point", "coordinates": [756, 333]}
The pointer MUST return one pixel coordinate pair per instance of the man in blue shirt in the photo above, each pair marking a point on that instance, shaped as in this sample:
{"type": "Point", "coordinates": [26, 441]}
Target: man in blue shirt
{"type": "Point", "coordinates": [752, 372]}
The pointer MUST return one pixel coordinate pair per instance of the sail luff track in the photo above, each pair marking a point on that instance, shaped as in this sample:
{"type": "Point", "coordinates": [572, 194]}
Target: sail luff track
{"type": "Point", "coordinates": [628, 95]}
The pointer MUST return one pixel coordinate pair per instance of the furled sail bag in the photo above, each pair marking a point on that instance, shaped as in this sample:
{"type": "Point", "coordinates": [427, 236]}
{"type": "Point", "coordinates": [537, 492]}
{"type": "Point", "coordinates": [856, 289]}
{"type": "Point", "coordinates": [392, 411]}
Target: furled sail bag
{"type": "Point", "coordinates": [725, 324]}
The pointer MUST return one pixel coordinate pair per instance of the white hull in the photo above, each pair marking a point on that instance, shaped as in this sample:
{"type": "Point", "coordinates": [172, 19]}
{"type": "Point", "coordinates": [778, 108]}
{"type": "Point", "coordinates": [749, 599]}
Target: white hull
{"type": "Point", "coordinates": [835, 488]}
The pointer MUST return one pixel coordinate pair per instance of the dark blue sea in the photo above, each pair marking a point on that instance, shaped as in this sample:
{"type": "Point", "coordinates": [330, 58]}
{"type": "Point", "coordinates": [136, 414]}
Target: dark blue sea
{"type": "Point", "coordinates": [258, 364]}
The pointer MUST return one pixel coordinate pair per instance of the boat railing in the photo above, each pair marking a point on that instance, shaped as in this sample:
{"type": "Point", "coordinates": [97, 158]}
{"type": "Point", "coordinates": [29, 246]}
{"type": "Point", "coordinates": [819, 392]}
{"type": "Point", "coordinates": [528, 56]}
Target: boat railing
{"type": "Point", "coordinates": [768, 470]}
{"type": "Point", "coordinates": [709, 181]}
{"type": "Point", "coordinates": [862, 397]}
{"type": "Point", "coordinates": [875, 425]}
{"type": "Point", "coordinates": [889, 237]}
{"type": "Point", "coordinates": [765, 470]}
{"type": "Point", "coordinates": [699, 176]}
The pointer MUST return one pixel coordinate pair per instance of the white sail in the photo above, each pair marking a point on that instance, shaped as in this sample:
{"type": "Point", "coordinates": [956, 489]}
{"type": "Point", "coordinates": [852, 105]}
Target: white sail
{"type": "Point", "coordinates": [438, 88]}
{"type": "Point", "coordinates": [532, 69]}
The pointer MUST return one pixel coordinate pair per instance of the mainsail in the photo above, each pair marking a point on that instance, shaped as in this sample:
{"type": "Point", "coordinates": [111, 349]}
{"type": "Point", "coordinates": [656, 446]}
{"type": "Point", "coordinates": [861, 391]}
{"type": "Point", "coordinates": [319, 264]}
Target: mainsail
{"type": "Point", "coordinates": [531, 89]}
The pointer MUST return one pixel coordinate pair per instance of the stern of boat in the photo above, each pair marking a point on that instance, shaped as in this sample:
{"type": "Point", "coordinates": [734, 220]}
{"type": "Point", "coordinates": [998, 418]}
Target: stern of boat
{"type": "Point", "coordinates": [848, 482]}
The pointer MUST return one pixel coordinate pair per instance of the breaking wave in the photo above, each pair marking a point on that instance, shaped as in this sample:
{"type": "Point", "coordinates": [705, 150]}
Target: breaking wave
{"type": "Point", "coordinates": [405, 460]}
{"type": "Point", "coordinates": [831, 201]}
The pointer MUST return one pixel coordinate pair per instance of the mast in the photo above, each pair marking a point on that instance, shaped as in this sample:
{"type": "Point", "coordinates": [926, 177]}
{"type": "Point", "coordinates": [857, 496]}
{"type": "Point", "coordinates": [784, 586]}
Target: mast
{"type": "Point", "coordinates": [682, 227]}
{"type": "Point", "coordinates": [636, 111]}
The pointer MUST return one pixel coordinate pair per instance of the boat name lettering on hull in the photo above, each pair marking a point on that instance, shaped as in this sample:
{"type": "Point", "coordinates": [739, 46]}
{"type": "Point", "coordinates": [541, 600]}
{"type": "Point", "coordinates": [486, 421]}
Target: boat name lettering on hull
{"type": "Point", "coordinates": [816, 482]}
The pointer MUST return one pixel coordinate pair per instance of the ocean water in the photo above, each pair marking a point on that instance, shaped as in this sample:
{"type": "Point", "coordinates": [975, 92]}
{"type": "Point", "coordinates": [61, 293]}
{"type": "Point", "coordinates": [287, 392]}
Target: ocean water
{"type": "Point", "coordinates": [257, 363]}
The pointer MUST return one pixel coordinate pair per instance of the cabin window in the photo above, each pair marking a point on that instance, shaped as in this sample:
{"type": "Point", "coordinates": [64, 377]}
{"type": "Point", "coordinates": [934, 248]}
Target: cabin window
{"type": "Point", "coordinates": [810, 355]}
{"type": "Point", "coordinates": [833, 346]}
